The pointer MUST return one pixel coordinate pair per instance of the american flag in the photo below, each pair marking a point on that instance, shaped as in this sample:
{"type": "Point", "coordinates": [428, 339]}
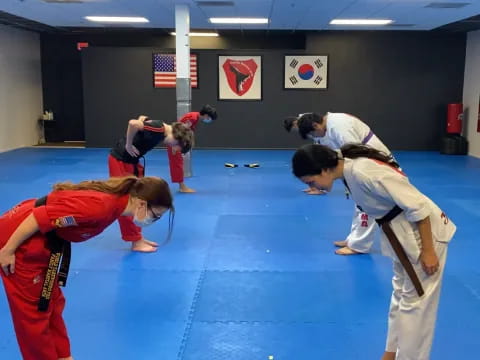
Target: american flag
{"type": "Point", "coordinates": [65, 221]}
{"type": "Point", "coordinates": [164, 70]}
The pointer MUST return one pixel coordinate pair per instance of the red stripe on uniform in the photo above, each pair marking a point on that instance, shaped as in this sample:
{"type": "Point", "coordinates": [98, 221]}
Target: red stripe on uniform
{"type": "Point", "coordinates": [154, 129]}
{"type": "Point", "coordinates": [393, 167]}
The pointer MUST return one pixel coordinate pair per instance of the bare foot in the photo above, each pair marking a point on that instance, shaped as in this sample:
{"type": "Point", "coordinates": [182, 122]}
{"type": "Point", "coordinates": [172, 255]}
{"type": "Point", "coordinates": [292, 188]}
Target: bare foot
{"type": "Point", "coordinates": [152, 243]}
{"type": "Point", "coordinates": [67, 358]}
{"type": "Point", "coordinates": [315, 191]}
{"type": "Point", "coordinates": [346, 251]}
{"type": "Point", "coordinates": [143, 246]}
{"type": "Point", "coordinates": [341, 243]}
{"type": "Point", "coordinates": [388, 355]}
{"type": "Point", "coordinates": [185, 189]}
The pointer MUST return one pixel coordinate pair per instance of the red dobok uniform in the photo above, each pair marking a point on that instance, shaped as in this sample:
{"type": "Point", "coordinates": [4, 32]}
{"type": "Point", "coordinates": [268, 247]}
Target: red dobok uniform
{"type": "Point", "coordinates": [121, 163]}
{"type": "Point", "coordinates": [175, 160]}
{"type": "Point", "coordinates": [75, 215]}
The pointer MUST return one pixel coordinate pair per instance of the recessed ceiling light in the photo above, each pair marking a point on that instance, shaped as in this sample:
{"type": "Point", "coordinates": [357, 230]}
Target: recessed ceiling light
{"type": "Point", "coordinates": [64, 1]}
{"type": "Point", "coordinates": [198, 34]}
{"type": "Point", "coordinates": [446, 5]}
{"type": "Point", "coordinates": [239, 20]}
{"type": "Point", "coordinates": [117, 19]}
{"type": "Point", "coordinates": [214, 3]}
{"type": "Point", "coordinates": [361, 22]}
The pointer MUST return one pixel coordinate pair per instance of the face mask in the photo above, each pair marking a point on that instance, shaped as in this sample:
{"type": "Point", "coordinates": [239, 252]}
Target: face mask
{"type": "Point", "coordinates": [207, 120]}
{"type": "Point", "coordinates": [146, 220]}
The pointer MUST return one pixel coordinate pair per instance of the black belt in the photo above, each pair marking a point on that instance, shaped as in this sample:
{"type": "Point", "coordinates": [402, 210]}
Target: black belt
{"type": "Point", "coordinates": [135, 164]}
{"type": "Point", "coordinates": [60, 249]}
{"type": "Point", "coordinates": [392, 214]}
{"type": "Point", "coordinates": [135, 167]}
{"type": "Point", "coordinates": [397, 247]}
{"type": "Point", "coordinates": [384, 223]}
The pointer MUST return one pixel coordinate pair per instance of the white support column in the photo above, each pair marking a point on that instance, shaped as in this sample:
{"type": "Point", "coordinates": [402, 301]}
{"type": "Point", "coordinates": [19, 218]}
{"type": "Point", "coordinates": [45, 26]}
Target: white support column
{"type": "Point", "coordinates": [182, 28]}
{"type": "Point", "coordinates": [184, 89]}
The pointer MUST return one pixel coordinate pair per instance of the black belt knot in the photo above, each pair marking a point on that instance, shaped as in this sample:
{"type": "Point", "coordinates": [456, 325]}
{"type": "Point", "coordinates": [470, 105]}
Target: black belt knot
{"type": "Point", "coordinates": [392, 214]}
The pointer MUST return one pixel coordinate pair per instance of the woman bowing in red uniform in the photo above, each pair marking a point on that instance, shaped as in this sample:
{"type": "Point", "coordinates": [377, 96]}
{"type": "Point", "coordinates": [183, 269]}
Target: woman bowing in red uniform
{"type": "Point", "coordinates": [176, 160]}
{"type": "Point", "coordinates": [37, 233]}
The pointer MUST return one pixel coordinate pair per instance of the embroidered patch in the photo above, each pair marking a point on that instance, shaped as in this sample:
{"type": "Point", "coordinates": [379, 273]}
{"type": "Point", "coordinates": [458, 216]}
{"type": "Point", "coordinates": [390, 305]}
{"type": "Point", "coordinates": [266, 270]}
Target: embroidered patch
{"type": "Point", "coordinates": [65, 221]}
{"type": "Point", "coordinates": [364, 218]}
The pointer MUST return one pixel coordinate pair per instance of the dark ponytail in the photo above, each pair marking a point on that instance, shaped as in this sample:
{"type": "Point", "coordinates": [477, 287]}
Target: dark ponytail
{"type": "Point", "coordinates": [289, 122]}
{"type": "Point", "coordinates": [313, 159]}
{"type": "Point", "coordinates": [354, 151]}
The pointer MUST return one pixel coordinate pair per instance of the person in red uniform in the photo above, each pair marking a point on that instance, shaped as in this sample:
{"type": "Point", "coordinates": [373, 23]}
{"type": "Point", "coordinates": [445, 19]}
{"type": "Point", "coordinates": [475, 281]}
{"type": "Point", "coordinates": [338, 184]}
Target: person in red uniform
{"type": "Point", "coordinates": [143, 135]}
{"type": "Point", "coordinates": [207, 115]}
{"type": "Point", "coordinates": [31, 235]}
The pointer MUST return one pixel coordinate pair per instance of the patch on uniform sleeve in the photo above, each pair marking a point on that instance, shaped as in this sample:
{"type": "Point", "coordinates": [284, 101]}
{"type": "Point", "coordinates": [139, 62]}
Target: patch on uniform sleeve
{"type": "Point", "coordinates": [65, 221]}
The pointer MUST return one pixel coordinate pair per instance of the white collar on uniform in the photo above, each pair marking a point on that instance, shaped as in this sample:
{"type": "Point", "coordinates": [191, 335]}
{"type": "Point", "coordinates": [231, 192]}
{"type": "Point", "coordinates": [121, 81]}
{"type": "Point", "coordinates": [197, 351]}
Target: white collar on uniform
{"type": "Point", "coordinates": [339, 154]}
{"type": "Point", "coordinates": [347, 169]}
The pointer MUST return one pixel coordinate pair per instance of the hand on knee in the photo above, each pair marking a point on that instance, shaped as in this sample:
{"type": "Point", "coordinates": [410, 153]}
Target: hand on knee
{"type": "Point", "coordinates": [387, 355]}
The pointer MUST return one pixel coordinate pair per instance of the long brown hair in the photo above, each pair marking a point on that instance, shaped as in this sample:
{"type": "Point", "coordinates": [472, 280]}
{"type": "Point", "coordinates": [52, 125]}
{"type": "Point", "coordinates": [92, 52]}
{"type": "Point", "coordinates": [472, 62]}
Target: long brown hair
{"type": "Point", "coordinates": [183, 135]}
{"type": "Point", "coordinates": [155, 191]}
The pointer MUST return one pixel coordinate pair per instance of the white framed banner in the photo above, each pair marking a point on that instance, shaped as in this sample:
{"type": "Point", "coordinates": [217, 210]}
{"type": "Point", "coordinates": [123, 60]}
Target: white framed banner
{"type": "Point", "coordinates": [306, 72]}
{"type": "Point", "coordinates": [239, 77]}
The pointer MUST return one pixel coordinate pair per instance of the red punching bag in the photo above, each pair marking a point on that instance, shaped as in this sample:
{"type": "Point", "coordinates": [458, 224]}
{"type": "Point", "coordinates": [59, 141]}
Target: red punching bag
{"type": "Point", "coordinates": [454, 118]}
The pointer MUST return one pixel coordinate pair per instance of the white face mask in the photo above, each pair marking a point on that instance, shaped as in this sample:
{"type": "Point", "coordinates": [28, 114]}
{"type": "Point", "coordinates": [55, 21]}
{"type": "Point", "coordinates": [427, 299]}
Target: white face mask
{"type": "Point", "coordinates": [146, 220]}
{"type": "Point", "coordinates": [207, 120]}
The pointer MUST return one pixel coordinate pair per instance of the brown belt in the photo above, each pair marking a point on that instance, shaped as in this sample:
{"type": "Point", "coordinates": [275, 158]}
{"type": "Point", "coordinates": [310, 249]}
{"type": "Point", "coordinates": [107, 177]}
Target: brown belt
{"type": "Point", "coordinates": [384, 223]}
{"type": "Point", "coordinates": [60, 249]}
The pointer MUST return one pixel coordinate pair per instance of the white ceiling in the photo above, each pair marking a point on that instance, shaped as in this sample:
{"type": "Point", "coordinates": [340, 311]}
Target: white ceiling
{"type": "Point", "coordinates": [283, 14]}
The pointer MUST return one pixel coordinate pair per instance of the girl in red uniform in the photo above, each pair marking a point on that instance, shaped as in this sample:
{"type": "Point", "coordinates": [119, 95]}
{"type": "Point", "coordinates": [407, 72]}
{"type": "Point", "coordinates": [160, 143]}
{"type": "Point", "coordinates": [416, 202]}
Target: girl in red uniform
{"type": "Point", "coordinates": [207, 114]}
{"type": "Point", "coordinates": [142, 136]}
{"type": "Point", "coordinates": [34, 228]}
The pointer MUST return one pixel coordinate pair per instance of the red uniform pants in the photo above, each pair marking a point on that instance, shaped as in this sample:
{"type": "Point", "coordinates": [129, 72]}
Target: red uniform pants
{"type": "Point", "coordinates": [176, 165]}
{"type": "Point", "coordinates": [130, 231]}
{"type": "Point", "coordinates": [40, 335]}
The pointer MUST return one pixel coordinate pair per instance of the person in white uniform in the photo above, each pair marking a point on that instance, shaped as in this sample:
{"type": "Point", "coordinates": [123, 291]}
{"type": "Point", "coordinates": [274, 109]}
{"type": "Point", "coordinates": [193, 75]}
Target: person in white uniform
{"type": "Point", "coordinates": [422, 229]}
{"type": "Point", "coordinates": [336, 130]}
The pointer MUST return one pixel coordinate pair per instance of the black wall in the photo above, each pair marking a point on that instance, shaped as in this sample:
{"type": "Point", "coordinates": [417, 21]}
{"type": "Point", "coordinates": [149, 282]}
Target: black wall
{"type": "Point", "coordinates": [62, 88]}
{"type": "Point", "coordinates": [397, 82]}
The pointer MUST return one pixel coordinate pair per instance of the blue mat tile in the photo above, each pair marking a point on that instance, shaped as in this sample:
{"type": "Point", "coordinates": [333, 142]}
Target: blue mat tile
{"type": "Point", "coordinates": [247, 341]}
{"type": "Point", "coordinates": [250, 271]}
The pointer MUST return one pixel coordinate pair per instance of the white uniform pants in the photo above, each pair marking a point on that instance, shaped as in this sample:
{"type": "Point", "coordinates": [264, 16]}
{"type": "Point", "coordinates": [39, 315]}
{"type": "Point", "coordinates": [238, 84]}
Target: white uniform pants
{"type": "Point", "coordinates": [363, 232]}
{"type": "Point", "coordinates": [411, 320]}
